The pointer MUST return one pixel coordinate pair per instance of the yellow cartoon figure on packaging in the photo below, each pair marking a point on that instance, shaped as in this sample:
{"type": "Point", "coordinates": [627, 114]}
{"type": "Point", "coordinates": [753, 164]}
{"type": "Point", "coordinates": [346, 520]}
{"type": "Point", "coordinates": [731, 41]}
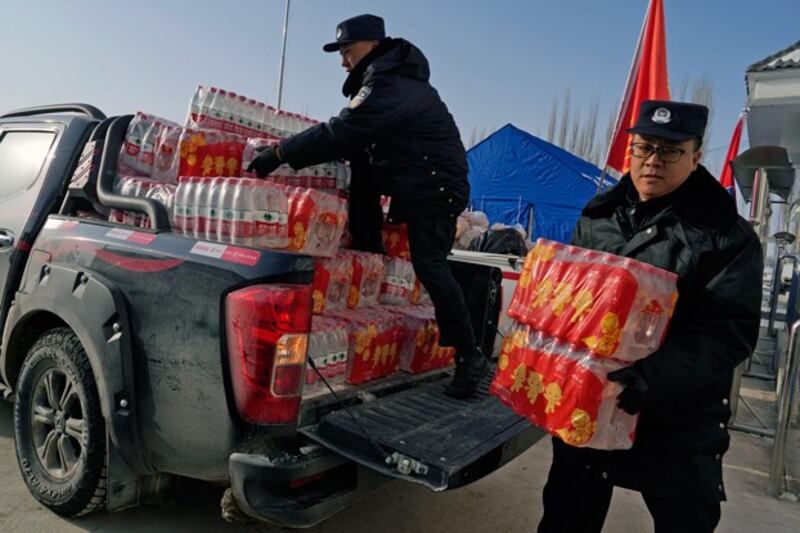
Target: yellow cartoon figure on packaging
{"type": "Point", "coordinates": [208, 165]}
{"type": "Point", "coordinates": [379, 357]}
{"type": "Point", "coordinates": [607, 341]}
{"type": "Point", "coordinates": [515, 340]}
{"type": "Point", "coordinates": [519, 378]}
{"type": "Point", "coordinates": [552, 393]}
{"type": "Point", "coordinates": [543, 252]}
{"type": "Point", "coordinates": [542, 293]}
{"type": "Point", "coordinates": [219, 165]}
{"type": "Point", "coordinates": [352, 298]}
{"type": "Point", "coordinates": [319, 301]}
{"type": "Point", "coordinates": [525, 278]}
{"type": "Point", "coordinates": [583, 428]}
{"type": "Point", "coordinates": [232, 166]}
{"type": "Point", "coordinates": [562, 296]}
{"type": "Point", "coordinates": [582, 304]}
{"type": "Point", "coordinates": [298, 238]}
{"type": "Point", "coordinates": [362, 343]}
{"type": "Point", "coordinates": [535, 386]}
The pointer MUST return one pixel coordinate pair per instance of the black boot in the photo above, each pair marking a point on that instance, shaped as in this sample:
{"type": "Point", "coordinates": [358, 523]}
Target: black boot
{"type": "Point", "coordinates": [471, 366]}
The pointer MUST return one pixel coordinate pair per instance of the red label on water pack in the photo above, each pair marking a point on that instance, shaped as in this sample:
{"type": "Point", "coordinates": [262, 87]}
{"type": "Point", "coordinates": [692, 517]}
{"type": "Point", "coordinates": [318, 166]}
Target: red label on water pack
{"type": "Point", "coordinates": [131, 149]}
{"type": "Point", "coordinates": [243, 229]}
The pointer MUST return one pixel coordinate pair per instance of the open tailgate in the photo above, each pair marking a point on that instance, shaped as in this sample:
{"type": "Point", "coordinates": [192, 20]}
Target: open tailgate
{"type": "Point", "coordinates": [431, 439]}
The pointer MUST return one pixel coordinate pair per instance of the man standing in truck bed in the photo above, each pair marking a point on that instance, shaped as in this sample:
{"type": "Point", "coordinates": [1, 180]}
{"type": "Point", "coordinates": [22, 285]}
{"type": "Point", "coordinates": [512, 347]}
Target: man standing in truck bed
{"type": "Point", "coordinates": [401, 142]}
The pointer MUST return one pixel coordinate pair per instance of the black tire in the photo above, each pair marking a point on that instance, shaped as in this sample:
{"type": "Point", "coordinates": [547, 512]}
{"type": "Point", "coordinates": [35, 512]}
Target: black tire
{"type": "Point", "coordinates": [57, 411]}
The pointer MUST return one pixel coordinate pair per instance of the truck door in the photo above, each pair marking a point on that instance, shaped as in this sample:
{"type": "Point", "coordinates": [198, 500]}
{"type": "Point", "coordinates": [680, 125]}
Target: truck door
{"type": "Point", "coordinates": [24, 154]}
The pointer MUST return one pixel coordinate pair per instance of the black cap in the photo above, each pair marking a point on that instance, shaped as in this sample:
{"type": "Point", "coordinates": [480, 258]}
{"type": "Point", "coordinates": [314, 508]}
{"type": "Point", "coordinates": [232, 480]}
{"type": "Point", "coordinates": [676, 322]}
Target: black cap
{"type": "Point", "coordinates": [360, 28]}
{"type": "Point", "coordinates": [676, 121]}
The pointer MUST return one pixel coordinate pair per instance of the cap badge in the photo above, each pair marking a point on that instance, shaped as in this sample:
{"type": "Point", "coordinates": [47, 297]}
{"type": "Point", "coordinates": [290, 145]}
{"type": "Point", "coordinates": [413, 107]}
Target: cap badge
{"type": "Point", "coordinates": [662, 115]}
{"type": "Point", "coordinates": [338, 33]}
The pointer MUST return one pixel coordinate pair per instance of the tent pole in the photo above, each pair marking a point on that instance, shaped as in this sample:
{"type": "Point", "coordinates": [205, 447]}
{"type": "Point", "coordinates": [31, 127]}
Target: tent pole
{"type": "Point", "coordinates": [530, 222]}
{"type": "Point", "coordinates": [602, 178]}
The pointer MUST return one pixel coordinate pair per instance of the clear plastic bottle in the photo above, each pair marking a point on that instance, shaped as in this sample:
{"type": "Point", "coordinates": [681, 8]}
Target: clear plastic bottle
{"type": "Point", "coordinates": [200, 201]}
{"type": "Point", "coordinates": [243, 230]}
{"type": "Point", "coordinates": [179, 207]}
{"type": "Point", "coordinates": [133, 190]}
{"type": "Point", "coordinates": [227, 210]}
{"type": "Point", "coordinates": [258, 119]}
{"type": "Point", "coordinates": [271, 214]}
{"type": "Point", "coordinates": [216, 108]}
{"type": "Point", "coordinates": [189, 207]}
{"type": "Point", "coordinates": [213, 208]}
{"type": "Point", "coordinates": [122, 186]}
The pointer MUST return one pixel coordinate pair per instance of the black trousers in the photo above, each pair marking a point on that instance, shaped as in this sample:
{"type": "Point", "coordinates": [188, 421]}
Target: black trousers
{"type": "Point", "coordinates": [429, 242]}
{"type": "Point", "coordinates": [576, 500]}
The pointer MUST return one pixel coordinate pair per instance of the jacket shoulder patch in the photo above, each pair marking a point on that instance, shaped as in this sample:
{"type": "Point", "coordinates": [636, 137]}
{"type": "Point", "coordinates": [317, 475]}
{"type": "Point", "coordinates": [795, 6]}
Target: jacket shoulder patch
{"type": "Point", "coordinates": [362, 95]}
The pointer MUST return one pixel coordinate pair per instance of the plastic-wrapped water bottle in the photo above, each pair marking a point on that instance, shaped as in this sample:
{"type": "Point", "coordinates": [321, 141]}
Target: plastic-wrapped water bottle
{"type": "Point", "coordinates": [213, 208]}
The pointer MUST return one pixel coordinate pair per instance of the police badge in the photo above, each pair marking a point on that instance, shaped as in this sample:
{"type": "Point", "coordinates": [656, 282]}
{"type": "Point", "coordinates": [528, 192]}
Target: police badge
{"type": "Point", "coordinates": [362, 95]}
{"type": "Point", "coordinates": [662, 115]}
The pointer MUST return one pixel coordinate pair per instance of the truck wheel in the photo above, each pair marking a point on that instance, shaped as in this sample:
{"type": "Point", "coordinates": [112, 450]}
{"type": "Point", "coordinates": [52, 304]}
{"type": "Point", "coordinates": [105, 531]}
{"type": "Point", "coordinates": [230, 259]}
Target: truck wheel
{"type": "Point", "coordinates": [59, 428]}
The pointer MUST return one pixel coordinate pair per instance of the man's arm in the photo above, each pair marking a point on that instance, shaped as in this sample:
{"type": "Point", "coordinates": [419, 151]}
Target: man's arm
{"type": "Point", "coordinates": [377, 108]}
{"type": "Point", "coordinates": [719, 331]}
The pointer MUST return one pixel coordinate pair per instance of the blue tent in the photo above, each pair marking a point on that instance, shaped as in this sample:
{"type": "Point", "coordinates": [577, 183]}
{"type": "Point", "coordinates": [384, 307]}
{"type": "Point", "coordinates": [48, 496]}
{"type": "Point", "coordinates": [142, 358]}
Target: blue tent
{"type": "Point", "coordinates": [518, 178]}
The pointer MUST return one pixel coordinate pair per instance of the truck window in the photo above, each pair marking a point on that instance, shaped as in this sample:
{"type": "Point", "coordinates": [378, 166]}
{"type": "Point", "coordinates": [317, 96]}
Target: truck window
{"type": "Point", "coordinates": [22, 154]}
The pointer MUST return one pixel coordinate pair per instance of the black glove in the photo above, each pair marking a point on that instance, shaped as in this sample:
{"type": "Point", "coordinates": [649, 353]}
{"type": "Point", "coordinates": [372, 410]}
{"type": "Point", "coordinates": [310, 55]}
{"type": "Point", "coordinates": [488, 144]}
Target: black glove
{"type": "Point", "coordinates": [265, 162]}
{"type": "Point", "coordinates": [635, 390]}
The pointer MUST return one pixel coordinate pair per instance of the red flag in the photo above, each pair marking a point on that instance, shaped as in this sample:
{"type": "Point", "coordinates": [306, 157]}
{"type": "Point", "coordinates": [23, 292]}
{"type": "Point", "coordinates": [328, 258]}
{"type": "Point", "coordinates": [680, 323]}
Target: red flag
{"type": "Point", "coordinates": [647, 80]}
{"type": "Point", "coordinates": [726, 176]}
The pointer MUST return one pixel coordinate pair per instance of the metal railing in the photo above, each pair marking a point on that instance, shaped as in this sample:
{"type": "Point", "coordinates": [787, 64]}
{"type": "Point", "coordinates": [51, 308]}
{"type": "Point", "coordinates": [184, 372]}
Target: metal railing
{"type": "Point", "coordinates": [776, 289]}
{"type": "Point", "coordinates": [786, 378]}
{"type": "Point", "coordinates": [785, 397]}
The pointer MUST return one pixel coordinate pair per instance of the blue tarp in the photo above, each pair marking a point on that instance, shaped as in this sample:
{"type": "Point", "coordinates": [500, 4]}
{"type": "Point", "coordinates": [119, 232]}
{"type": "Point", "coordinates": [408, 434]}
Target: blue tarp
{"type": "Point", "coordinates": [512, 173]}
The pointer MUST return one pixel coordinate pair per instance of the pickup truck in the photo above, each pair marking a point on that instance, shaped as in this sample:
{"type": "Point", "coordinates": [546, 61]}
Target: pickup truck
{"type": "Point", "coordinates": [138, 356]}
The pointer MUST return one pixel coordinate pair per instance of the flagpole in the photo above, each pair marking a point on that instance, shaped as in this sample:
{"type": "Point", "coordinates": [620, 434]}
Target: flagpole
{"type": "Point", "coordinates": [283, 53]}
{"type": "Point", "coordinates": [626, 95]}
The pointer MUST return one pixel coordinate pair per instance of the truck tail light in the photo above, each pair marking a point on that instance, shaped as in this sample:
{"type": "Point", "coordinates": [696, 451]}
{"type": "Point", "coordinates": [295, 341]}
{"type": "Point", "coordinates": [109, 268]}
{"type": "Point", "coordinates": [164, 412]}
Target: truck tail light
{"type": "Point", "coordinates": [267, 332]}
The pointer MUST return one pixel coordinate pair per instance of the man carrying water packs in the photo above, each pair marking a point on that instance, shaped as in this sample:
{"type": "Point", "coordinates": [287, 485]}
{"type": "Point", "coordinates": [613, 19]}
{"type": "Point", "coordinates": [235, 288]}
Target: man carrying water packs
{"type": "Point", "coordinates": [401, 142]}
{"type": "Point", "coordinates": [670, 212]}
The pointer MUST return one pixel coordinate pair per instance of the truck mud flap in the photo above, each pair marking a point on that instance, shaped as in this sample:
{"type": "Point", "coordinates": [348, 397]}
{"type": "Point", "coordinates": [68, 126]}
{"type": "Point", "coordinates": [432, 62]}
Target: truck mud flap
{"type": "Point", "coordinates": [426, 437]}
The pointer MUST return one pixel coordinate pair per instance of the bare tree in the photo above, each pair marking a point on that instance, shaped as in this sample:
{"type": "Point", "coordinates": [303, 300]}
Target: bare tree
{"type": "Point", "coordinates": [476, 135]}
{"type": "Point", "coordinates": [587, 143]}
{"type": "Point", "coordinates": [551, 124]}
{"type": "Point", "coordinates": [703, 93]}
{"type": "Point", "coordinates": [682, 90]}
{"type": "Point", "coordinates": [606, 140]}
{"type": "Point", "coordinates": [562, 134]}
{"type": "Point", "coordinates": [573, 134]}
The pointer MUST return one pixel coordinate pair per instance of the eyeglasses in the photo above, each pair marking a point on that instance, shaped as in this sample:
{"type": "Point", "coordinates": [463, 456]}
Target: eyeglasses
{"type": "Point", "coordinates": [668, 154]}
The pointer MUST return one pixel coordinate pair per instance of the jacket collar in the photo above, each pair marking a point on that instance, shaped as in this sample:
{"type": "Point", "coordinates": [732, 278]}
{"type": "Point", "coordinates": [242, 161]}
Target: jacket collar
{"type": "Point", "coordinates": [395, 56]}
{"type": "Point", "coordinates": [356, 77]}
{"type": "Point", "coordinates": [700, 200]}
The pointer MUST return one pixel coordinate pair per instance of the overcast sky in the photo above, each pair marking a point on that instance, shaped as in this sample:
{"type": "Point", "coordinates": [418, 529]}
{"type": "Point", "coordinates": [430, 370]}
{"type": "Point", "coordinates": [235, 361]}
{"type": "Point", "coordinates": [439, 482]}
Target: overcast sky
{"type": "Point", "coordinates": [493, 62]}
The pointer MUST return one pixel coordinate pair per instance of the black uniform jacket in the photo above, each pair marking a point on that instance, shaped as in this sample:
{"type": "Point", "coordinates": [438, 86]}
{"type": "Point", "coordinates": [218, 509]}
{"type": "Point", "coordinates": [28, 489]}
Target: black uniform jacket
{"type": "Point", "coordinates": [399, 135]}
{"type": "Point", "coordinates": [695, 232]}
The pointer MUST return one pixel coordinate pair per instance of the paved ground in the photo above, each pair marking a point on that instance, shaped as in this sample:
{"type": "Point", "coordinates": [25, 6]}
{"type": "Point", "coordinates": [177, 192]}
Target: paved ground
{"type": "Point", "coordinates": [507, 501]}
